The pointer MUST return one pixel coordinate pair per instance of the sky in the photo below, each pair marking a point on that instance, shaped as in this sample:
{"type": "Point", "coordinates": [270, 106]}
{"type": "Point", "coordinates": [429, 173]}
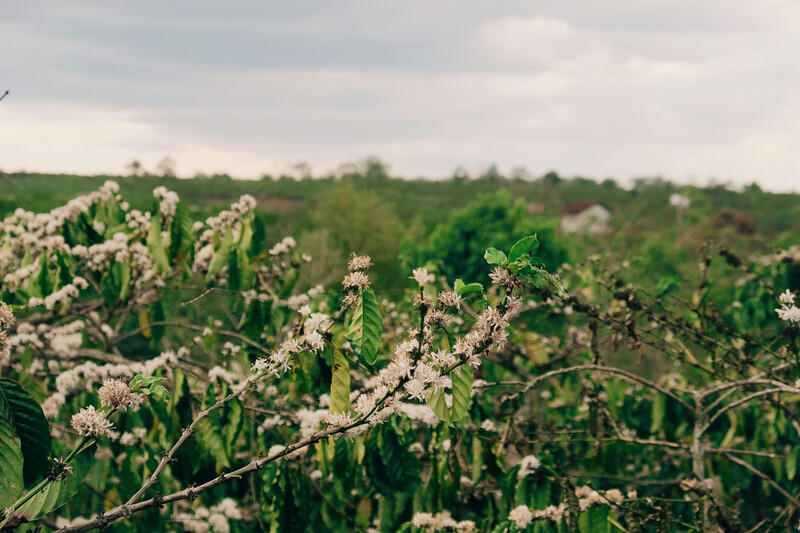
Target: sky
{"type": "Point", "coordinates": [695, 91]}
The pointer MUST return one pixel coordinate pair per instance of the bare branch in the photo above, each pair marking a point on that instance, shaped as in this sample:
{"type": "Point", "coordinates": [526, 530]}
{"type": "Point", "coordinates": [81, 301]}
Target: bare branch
{"type": "Point", "coordinates": [766, 478]}
{"type": "Point", "coordinates": [609, 370]}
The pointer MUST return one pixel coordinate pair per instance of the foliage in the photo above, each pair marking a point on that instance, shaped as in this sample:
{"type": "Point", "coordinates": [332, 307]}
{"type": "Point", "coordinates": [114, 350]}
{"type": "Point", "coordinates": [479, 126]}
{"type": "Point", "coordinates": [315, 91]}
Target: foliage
{"type": "Point", "coordinates": [456, 247]}
{"type": "Point", "coordinates": [517, 400]}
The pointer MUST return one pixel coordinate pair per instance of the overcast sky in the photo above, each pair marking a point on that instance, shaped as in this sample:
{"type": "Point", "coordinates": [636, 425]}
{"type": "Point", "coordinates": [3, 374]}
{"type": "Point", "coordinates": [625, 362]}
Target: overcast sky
{"type": "Point", "coordinates": [694, 90]}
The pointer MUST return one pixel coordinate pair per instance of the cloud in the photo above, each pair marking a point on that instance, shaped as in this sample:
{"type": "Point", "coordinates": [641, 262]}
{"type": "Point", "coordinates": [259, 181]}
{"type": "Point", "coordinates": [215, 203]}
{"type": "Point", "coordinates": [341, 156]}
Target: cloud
{"type": "Point", "coordinates": [681, 88]}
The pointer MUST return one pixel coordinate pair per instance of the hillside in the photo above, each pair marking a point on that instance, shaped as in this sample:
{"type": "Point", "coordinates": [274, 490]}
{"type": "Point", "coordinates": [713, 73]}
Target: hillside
{"type": "Point", "coordinates": [366, 209]}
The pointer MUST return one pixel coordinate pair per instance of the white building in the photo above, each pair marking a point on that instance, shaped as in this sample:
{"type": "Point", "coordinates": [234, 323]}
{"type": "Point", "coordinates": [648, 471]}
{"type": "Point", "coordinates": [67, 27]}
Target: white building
{"type": "Point", "coordinates": [586, 217]}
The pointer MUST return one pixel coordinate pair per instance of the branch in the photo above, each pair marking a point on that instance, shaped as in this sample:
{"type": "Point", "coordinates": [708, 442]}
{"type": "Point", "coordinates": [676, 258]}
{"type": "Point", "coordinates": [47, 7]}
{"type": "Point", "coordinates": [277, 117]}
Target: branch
{"type": "Point", "coordinates": [737, 403]}
{"type": "Point", "coordinates": [715, 390]}
{"type": "Point", "coordinates": [233, 334]}
{"type": "Point", "coordinates": [185, 434]}
{"type": "Point", "coordinates": [766, 478]}
{"type": "Point", "coordinates": [608, 370]}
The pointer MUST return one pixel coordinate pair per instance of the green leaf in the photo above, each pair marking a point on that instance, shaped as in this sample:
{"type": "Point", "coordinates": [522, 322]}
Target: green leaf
{"type": "Point", "coordinates": [30, 425]}
{"type": "Point", "coordinates": [234, 274]}
{"type": "Point", "coordinates": [458, 285]}
{"type": "Point", "coordinates": [123, 272]}
{"type": "Point", "coordinates": [366, 328]}
{"type": "Point", "coordinates": [223, 425]}
{"type": "Point", "coordinates": [391, 466]}
{"type": "Point", "coordinates": [43, 277]}
{"type": "Point", "coordinates": [436, 401]}
{"type": "Point", "coordinates": [116, 283]}
{"type": "Point", "coordinates": [594, 520]}
{"type": "Point", "coordinates": [258, 238]}
{"type": "Point", "coordinates": [210, 431]}
{"type": "Point", "coordinates": [791, 463]}
{"type": "Point", "coordinates": [462, 289]}
{"type": "Point", "coordinates": [221, 256]}
{"type": "Point", "coordinates": [157, 315]}
{"type": "Point", "coordinates": [462, 392]}
{"type": "Point", "coordinates": [58, 493]}
{"type": "Point", "coordinates": [340, 383]}
{"type": "Point", "coordinates": [613, 521]}
{"type": "Point", "coordinates": [528, 245]}
{"type": "Point", "coordinates": [150, 386]}
{"type": "Point", "coordinates": [233, 419]}
{"type": "Point", "coordinates": [62, 263]}
{"type": "Point", "coordinates": [494, 256]}
{"type": "Point", "coordinates": [659, 409]}
{"type": "Point", "coordinates": [541, 278]}
{"type": "Point", "coordinates": [181, 235]}
{"type": "Point", "coordinates": [156, 246]}
{"type": "Point", "coordinates": [10, 463]}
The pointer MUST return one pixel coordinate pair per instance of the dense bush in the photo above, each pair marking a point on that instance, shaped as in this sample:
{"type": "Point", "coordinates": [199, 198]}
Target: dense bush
{"type": "Point", "coordinates": [456, 247]}
{"type": "Point", "coordinates": [159, 375]}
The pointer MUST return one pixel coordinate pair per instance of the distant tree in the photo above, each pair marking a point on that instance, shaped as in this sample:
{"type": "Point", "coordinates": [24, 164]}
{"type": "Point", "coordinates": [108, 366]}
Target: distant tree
{"type": "Point", "coordinates": [303, 170]}
{"type": "Point", "coordinates": [520, 173]}
{"type": "Point", "coordinates": [460, 175]}
{"type": "Point", "coordinates": [166, 167]}
{"type": "Point", "coordinates": [609, 183]}
{"type": "Point", "coordinates": [356, 219]}
{"type": "Point", "coordinates": [135, 168]}
{"type": "Point", "coordinates": [347, 171]}
{"type": "Point", "coordinates": [652, 183]}
{"type": "Point", "coordinates": [491, 174]}
{"type": "Point", "coordinates": [551, 178]}
{"type": "Point", "coordinates": [375, 171]}
{"type": "Point", "coordinates": [753, 188]}
{"type": "Point", "coordinates": [456, 246]}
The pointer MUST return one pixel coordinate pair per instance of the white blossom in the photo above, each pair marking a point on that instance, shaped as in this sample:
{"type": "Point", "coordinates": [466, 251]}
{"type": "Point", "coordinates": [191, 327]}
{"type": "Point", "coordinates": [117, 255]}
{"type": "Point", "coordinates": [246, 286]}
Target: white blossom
{"type": "Point", "coordinates": [91, 423]}
{"type": "Point", "coordinates": [521, 516]}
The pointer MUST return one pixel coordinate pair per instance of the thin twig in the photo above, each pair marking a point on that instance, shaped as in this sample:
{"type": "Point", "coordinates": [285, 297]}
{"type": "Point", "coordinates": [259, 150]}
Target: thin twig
{"type": "Point", "coordinates": [766, 478]}
{"type": "Point", "coordinates": [608, 370]}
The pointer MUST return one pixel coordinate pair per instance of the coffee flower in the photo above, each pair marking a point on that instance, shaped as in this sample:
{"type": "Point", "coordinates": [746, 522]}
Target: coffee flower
{"type": "Point", "coordinates": [422, 277]}
{"type": "Point", "coordinates": [521, 516]}
{"type": "Point", "coordinates": [90, 422]}
{"type": "Point", "coordinates": [528, 465]}
{"type": "Point", "coordinates": [450, 299]}
{"type": "Point", "coordinates": [359, 262]}
{"type": "Point", "coordinates": [6, 316]}
{"type": "Point", "coordinates": [355, 280]}
{"type": "Point", "coordinates": [116, 394]}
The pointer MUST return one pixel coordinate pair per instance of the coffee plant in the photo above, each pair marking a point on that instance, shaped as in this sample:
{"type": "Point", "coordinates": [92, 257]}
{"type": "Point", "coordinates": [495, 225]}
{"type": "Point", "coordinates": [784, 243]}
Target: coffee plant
{"type": "Point", "coordinates": [160, 374]}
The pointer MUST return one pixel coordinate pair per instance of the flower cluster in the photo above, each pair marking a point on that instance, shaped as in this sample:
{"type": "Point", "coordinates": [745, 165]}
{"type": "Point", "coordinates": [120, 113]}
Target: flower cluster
{"type": "Point", "coordinates": [788, 311]}
{"type": "Point", "coordinates": [116, 394]}
{"type": "Point", "coordinates": [528, 465]}
{"type": "Point", "coordinates": [587, 497]}
{"type": "Point", "coordinates": [168, 204]}
{"type": "Point", "coordinates": [85, 375]}
{"type": "Point", "coordinates": [215, 518]}
{"type": "Point", "coordinates": [6, 322]}
{"type": "Point", "coordinates": [356, 279]}
{"type": "Point", "coordinates": [421, 276]}
{"type": "Point", "coordinates": [442, 521]}
{"type": "Point", "coordinates": [283, 247]}
{"type": "Point", "coordinates": [63, 297]}
{"type": "Point", "coordinates": [502, 276]}
{"type": "Point", "coordinates": [90, 422]}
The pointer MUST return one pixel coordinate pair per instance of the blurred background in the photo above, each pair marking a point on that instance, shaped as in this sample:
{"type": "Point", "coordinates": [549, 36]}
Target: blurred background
{"type": "Point", "coordinates": [635, 129]}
